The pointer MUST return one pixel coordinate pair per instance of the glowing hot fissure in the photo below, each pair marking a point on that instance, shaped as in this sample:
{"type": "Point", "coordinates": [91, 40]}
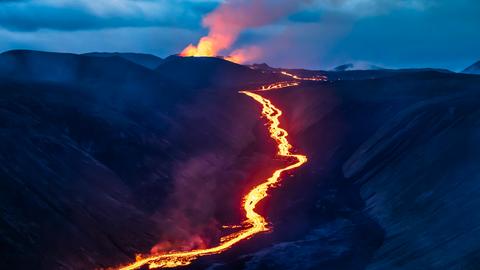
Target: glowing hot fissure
{"type": "Point", "coordinates": [254, 223]}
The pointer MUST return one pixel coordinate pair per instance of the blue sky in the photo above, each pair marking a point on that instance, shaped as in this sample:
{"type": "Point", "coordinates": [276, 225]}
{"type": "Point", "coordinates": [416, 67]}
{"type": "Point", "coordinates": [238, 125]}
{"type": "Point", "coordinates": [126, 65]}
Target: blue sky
{"type": "Point", "coordinates": [313, 34]}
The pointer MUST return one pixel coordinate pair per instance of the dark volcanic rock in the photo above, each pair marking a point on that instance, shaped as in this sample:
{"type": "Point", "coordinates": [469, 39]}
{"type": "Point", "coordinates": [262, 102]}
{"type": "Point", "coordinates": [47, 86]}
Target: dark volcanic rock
{"type": "Point", "coordinates": [61, 205]}
{"type": "Point", "coordinates": [89, 164]}
{"type": "Point", "coordinates": [146, 60]}
{"type": "Point", "coordinates": [78, 70]}
{"type": "Point", "coordinates": [318, 249]}
{"type": "Point", "coordinates": [408, 143]}
{"type": "Point", "coordinates": [420, 178]}
{"type": "Point", "coordinates": [201, 72]}
{"type": "Point", "coordinates": [348, 72]}
{"type": "Point", "coordinates": [101, 158]}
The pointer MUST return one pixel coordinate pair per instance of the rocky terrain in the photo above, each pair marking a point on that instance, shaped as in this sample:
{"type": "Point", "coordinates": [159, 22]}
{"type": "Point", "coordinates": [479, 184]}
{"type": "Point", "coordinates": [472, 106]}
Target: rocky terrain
{"type": "Point", "coordinates": [102, 157]}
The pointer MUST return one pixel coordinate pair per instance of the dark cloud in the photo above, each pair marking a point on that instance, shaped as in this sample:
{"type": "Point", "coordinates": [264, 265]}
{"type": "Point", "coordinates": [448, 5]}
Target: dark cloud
{"type": "Point", "coordinates": [86, 14]}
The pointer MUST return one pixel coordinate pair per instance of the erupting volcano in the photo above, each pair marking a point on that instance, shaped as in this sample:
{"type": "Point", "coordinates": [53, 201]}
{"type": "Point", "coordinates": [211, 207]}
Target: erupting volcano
{"type": "Point", "coordinates": [206, 47]}
{"type": "Point", "coordinates": [230, 19]}
{"type": "Point", "coordinates": [239, 135]}
{"type": "Point", "coordinates": [254, 223]}
{"type": "Point", "coordinates": [225, 25]}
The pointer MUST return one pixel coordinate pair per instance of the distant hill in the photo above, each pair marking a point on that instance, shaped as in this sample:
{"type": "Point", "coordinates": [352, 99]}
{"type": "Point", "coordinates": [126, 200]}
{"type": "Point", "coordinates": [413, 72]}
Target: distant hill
{"type": "Point", "coordinates": [357, 66]}
{"type": "Point", "coordinates": [107, 71]}
{"type": "Point", "coordinates": [147, 60]}
{"type": "Point", "coordinates": [349, 71]}
{"type": "Point", "coordinates": [70, 68]}
{"type": "Point", "coordinates": [203, 71]}
{"type": "Point", "coordinates": [473, 69]}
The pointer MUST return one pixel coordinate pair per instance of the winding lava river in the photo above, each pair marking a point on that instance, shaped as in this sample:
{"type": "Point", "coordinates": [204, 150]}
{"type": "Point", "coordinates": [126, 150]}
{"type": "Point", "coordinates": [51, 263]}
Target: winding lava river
{"type": "Point", "coordinates": [254, 223]}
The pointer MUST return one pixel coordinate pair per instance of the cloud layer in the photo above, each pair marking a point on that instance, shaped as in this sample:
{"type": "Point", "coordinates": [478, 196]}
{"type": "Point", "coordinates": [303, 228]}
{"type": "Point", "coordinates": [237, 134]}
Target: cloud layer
{"type": "Point", "coordinates": [371, 7]}
{"type": "Point", "coordinates": [32, 15]}
{"type": "Point", "coordinates": [306, 33]}
{"type": "Point", "coordinates": [86, 14]}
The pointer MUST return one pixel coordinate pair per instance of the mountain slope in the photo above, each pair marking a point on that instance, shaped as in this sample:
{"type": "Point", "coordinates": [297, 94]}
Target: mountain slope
{"type": "Point", "coordinates": [64, 200]}
{"type": "Point", "coordinates": [473, 69]}
{"type": "Point", "coordinates": [425, 206]}
{"type": "Point", "coordinates": [200, 72]}
{"type": "Point", "coordinates": [364, 210]}
{"type": "Point", "coordinates": [113, 79]}
{"type": "Point", "coordinates": [147, 60]}
{"type": "Point", "coordinates": [67, 68]}
{"type": "Point", "coordinates": [101, 158]}
{"type": "Point", "coordinates": [91, 151]}
{"type": "Point", "coordinates": [348, 72]}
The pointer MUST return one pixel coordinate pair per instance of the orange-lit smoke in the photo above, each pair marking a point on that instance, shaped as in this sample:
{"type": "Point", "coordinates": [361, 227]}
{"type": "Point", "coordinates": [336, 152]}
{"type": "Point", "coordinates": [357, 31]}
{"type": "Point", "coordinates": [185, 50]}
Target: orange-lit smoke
{"type": "Point", "coordinates": [231, 18]}
{"type": "Point", "coordinates": [244, 55]}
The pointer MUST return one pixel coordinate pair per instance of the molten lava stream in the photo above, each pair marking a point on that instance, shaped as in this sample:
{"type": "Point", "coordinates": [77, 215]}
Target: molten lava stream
{"type": "Point", "coordinates": [296, 77]}
{"type": "Point", "coordinates": [254, 223]}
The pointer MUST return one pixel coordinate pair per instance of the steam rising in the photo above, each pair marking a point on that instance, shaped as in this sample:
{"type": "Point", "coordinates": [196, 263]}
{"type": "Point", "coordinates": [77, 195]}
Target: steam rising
{"type": "Point", "coordinates": [231, 18]}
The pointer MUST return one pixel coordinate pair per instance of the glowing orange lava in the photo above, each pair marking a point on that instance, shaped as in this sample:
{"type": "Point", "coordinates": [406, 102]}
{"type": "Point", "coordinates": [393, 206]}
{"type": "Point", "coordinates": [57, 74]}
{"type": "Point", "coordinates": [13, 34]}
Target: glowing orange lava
{"type": "Point", "coordinates": [278, 85]}
{"type": "Point", "coordinates": [254, 223]}
{"type": "Point", "coordinates": [205, 47]}
{"type": "Point", "coordinates": [296, 77]}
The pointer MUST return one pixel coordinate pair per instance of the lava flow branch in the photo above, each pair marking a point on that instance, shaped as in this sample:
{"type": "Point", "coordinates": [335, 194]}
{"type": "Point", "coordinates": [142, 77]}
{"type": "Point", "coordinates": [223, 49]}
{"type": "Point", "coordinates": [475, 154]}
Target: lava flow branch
{"type": "Point", "coordinates": [254, 223]}
{"type": "Point", "coordinates": [296, 77]}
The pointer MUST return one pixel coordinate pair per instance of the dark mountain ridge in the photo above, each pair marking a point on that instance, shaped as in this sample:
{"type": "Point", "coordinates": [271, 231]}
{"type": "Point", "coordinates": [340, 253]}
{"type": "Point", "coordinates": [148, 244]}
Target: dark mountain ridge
{"type": "Point", "coordinates": [147, 60]}
{"type": "Point", "coordinates": [344, 73]}
{"type": "Point", "coordinates": [473, 69]}
{"type": "Point", "coordinates": [77, 69]}
{"type": "Point", "coordinates": [211, 71]}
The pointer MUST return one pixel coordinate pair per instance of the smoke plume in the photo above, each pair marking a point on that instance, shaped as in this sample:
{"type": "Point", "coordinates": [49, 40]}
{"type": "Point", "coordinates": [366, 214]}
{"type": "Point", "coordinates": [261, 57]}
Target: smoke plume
{"type": "Point", "coordinates": [232, 17]}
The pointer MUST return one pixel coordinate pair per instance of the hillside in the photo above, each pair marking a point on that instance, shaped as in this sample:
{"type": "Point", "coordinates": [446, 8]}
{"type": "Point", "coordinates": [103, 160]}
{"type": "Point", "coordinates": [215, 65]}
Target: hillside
{"type": "Point", "coordinates": [102, 158]}
{"type": "Point", "coordinates": [147, 60]}
{"type": "Point", "coordinates": [473, 69]}
{"type": "Point", "coordinates": [211, 71]}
